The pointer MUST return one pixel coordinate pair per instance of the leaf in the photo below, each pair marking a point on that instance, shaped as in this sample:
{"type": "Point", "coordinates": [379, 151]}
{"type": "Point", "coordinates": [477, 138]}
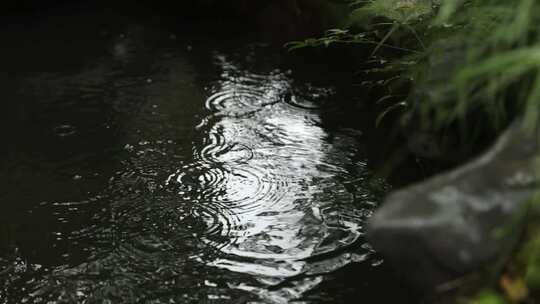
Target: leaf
{"type": "Point", "coordinates": [293, 45]}
{"type": "Point", "coordinates": [391, 108]}
{"type": "Point", "coordinates": [337, 32]}
{"type": "Point", "coordinates": [447, 9]}
{"type": "Point", "coordinates": [386, 37]}
{"type": "Point", "coordinates": [489, 297]}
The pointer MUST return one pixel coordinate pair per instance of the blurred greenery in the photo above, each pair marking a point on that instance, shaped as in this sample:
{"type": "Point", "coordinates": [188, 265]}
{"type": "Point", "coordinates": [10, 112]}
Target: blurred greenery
{"type": "Point", "coordinates": [485, 50]}
{"type": "Point", "coordinates": [462, 60]}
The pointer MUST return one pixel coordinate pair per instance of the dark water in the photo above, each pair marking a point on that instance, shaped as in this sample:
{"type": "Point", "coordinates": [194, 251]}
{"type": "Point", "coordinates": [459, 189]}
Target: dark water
{"type": "Point", "coordinates": [152, 163]}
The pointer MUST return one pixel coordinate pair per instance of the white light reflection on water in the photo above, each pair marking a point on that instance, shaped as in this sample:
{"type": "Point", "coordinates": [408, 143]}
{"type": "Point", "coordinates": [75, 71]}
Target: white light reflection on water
{"type": "Point", "coordinates": [269, 185]}
{"type": "Point", "coordinates": [149, 194]}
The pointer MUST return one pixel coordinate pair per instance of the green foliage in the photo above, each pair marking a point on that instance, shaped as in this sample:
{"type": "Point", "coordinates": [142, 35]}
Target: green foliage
{"type": "Point", "coordinates": [400, 11]}
{"type": "Point", "coordinates": [459, 57]}
{"type": "Point", "coordinates": [496, 56]}
{"type": "Point", "coordinates": [489, 297]}
{"type": "Point", "coordinates": [532, 273]}
{"type": "Point", "coordinates": [488, 52]}
{"type": "Point", "coordinates": [529, 255]}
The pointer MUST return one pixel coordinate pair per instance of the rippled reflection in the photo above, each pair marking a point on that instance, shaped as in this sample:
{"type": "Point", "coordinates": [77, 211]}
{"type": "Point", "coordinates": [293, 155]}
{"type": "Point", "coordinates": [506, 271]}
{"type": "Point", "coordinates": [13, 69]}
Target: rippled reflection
{"type": "Point", "coordinates": [267, 180]}
{"type": "Point", "coordinates": [152, 189]}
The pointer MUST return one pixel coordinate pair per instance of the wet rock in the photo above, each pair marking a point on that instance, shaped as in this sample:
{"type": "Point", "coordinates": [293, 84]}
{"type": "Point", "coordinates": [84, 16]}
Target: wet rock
{"type": "Point", "coordinates": [459, 221]}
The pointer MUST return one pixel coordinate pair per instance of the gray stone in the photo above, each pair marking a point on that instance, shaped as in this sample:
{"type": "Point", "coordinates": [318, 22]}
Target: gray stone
{"type": "Point", "coordinates": [455, 222]}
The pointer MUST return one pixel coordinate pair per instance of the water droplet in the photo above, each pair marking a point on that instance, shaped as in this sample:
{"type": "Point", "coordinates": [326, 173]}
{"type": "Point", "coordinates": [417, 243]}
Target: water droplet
{"type": "Point", "coordinates": [377, 262]}
{"type": "Point", "coordinates": [64, 130]}
{"type": "Point", "coordinates": [209, 284]}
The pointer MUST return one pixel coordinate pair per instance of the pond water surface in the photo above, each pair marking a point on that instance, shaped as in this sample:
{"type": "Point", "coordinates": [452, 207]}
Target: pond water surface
{"type": "Point", "coordinates": [152, 164]}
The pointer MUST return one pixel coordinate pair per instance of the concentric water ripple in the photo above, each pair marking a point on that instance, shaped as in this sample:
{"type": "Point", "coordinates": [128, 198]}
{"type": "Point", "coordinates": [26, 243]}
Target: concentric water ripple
{"type": "Point", "coordinates": [242, 92]}
{"type": "Point", "coordinates": [235, 196]}
{"type": "Point", "coordinates": [308, 97]}
{"type": "Point", "coordinates": [263, 181]}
